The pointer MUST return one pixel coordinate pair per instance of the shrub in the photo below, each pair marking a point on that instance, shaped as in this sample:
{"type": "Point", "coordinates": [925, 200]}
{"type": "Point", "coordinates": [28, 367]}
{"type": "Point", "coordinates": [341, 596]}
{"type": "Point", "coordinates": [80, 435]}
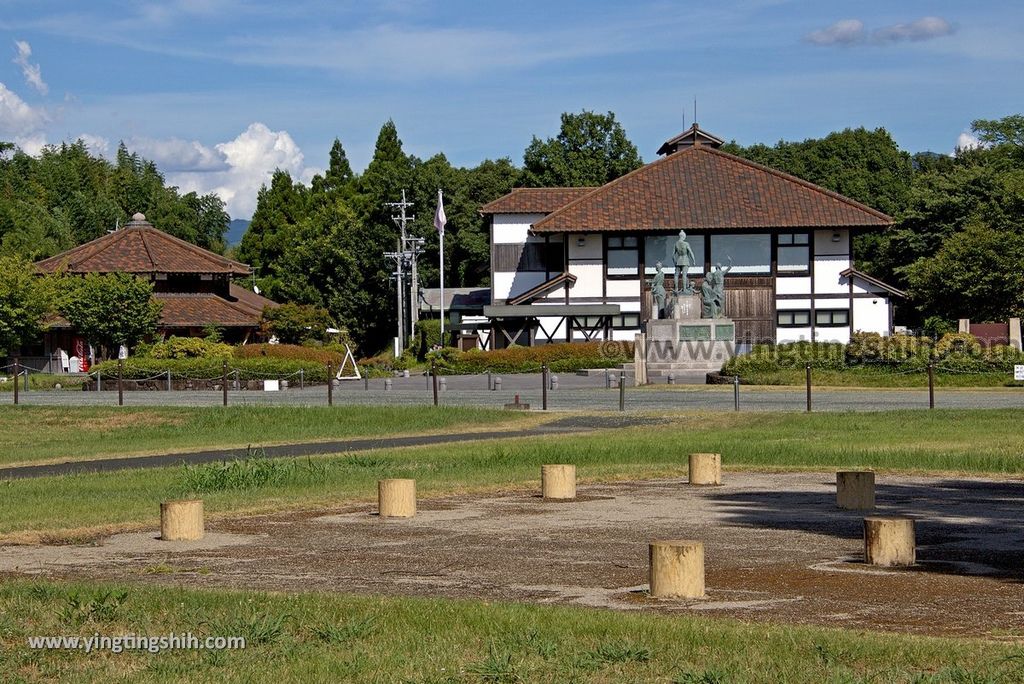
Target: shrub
{"type": "Point", "coordinates": [428, 335]}
{"type": "Point", "coordinates": [292, 352]}
{"type": "Point", "coordinates": [188, 348]}
{"type": "Point", "coordinates": [558, 357]}
{"type": "Point", "coordinates": [212, 370]}
{"type": "Point", "coordinates": [297, 323]}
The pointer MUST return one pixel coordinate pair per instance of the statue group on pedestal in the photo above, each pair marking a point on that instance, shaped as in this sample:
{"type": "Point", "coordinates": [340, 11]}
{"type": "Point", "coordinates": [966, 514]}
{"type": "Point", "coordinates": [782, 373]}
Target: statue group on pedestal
{"type": "Point", "coordinates": [712, 290]}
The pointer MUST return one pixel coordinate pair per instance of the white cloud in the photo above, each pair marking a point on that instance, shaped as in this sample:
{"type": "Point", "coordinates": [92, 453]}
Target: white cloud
{"type": "Point", "coordinates": [31, 144]}
{"type": "Point", "coordinates": [234, 170]}
{"type": "Point", "coordinates": [844, 32]}
{"type": "Point", "coordinates": [96, 144]}
{"type": "Point", "coordinates": [967, 141]}
{"type": "Point", "coordinates": [853, 32]}
{"type": "Point", "coordinates": [17, 117]}
{"type": "Point", "coordinates": [32, 72]}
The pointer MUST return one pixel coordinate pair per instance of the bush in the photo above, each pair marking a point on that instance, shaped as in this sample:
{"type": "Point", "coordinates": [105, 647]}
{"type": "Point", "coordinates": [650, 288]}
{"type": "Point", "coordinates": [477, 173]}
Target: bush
{"type": "Point", "coordinates": [291, 352]}
{"type": "Point", "coordinates": [428, 335]}
{"type": "Point", "coordinates": [558, 357]}
{"type": "Point", "coordinates": [296, 323]}
{"type": "Point", "coordinates": [264, 368]}
{"type": "Point", "coordinates": [187, 348]}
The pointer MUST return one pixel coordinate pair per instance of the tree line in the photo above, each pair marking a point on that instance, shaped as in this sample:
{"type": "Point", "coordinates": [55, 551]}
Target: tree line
{"type": "Point", "coordinates": [957, 244]}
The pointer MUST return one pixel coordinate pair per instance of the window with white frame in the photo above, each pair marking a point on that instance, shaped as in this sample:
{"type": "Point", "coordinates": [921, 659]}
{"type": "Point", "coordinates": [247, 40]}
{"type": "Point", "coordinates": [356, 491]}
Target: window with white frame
{"type": "Point", "coordinates": [794, 318]}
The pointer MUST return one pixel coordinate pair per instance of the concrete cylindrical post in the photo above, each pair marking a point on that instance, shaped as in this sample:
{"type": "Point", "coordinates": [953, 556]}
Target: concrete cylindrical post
{"type": "Point", "coordinates": [705, 469]}
{"type": "Point", "coordinates": [676, 568]}
{"type": "Point", "coordinates": [889, 541]}
{"type": "Point", "coordinates": [442, 385]}
{"type": "Point", "coordinates": [855, 490]}
{"type": "Point", "coordinates": [671, 379]}
{"type": "Point", "coordinates": [554, 382]}
{"type": "Point", "coordinates": [396, 498]}
{"type": "Point", "coordinates": [558, 481]}
{"type": "Point", "coordinates": [497, 384]}
{"type": "Point", "coordinates": [181, 520]}
{"type": "Point", "coordinates": [388, 383]}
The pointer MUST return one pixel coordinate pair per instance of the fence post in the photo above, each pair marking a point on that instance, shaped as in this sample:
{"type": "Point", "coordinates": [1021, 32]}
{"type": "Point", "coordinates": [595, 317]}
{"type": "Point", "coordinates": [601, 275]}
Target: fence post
{"type": "Point", "coordinates": [26, 379]}
{"type": "Point", "coordinates": [607, 379]}
{"type": "Point", "coordinates": [736, 392]}
{"type": "Point", "coordinates": [544, 391]}
{"type": "Point", "coordinates": [488, 381]}
{"type": "Point", "coordinates": [302, 378]}
{"type": "Point", "coordinates": [99, 380]}
{"type": "Point", "coordinates": [330, 385]}
{"type": "Point", "coordinates": [120, 382]}
{"type": "Point", "coordinates": [622, 390]}
{"type": "Point", "coordinates": [169, 380]}
{"type": "Point", "coordinates": [17, 371]}
{"type": "Point", "coordinates": [808, 369]}
{"type": "Point", "coordinates": [433, 375]}
{"type": "Point", "coordinates": [931, 385]}
{"type": "Point", "coordinates": [366, 383]}
{"type": "Point", "coordinates": [224, 383]}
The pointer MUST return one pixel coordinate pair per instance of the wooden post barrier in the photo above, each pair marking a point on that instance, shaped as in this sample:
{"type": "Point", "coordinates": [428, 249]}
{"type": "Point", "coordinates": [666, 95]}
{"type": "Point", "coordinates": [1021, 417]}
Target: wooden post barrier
{"type": "Point", "coordinates": [558, 481]}
{"type": "Point", "coordinates": [17, 371]}
{"type": "Point", "coordinates": [676, 568]}
{"type": "Point", "coordinates": [808, 371]}
{"type": "Point", "coordinates": [330, 385]}
{"type": "Point", "coordinates": [544, 386]}
{"type": "Point", "coordinates": [396, 498]}
{"type": "Point", "coordinates": [433, 373]}
{"type": "Point", "coordinates": [931, 386]}
{"type": "Point", "coordinates": [705, 469]}
{"type": "Point", "coordinates": [182, 520]}
{"type": "Point", "coordinates": [622, 390]}
{"type": "Point", "coordinates": [889, 542]}
{"type": "Point", "coordinates": [120, 382]}
{"type": "Point", "coordinates": [224, 382]}
{"type": "Point", "coordinates": [855, 490]}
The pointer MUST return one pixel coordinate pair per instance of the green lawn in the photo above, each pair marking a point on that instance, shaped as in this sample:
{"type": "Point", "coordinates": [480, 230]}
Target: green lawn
{"type": "Point", "coordinates": [337, 638]}
{"type": "Point", "coordinates": [40, 433]}
{"type": "Point", "coordinates": [944, 440]}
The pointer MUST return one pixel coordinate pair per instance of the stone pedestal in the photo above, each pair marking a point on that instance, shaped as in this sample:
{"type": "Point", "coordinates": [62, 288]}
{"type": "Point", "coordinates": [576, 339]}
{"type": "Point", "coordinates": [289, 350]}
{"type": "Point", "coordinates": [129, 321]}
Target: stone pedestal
{"type": "Point", "coordinates": [696, 346]}
{"type": "Point", "coordinates": [683, 307]}
{"type": "Point", "coordinates": [705, 469]}
{"type": "Point", "coordinates": [181, 520]}
{"type": "Point", "coordinates": [396, 498]}
{"type": "Point", "coordinates": [855, 490]}
{"type": "Point", "coordinates": [558, 481]}
{"type": "Point", "coordinates": [676, 568]}
{"type": "Point", "coordinates": [889, 541]}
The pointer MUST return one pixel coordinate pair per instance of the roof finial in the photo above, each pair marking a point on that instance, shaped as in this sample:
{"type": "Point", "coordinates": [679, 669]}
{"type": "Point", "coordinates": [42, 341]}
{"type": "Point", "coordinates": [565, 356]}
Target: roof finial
{"type": "Point", "coordinates": [138, 216]}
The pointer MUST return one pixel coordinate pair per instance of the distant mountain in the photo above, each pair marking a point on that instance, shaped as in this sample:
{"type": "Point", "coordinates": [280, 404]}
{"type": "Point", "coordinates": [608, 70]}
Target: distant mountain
{"type": "Point", "coordinates": [236, 229]}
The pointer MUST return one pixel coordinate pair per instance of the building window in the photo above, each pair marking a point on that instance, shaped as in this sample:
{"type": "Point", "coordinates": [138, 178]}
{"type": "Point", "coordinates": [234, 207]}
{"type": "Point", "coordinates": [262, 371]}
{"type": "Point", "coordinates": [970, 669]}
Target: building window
{"type": "Point", "coordinates": [662, 248]}
{"type": "Point", "coordinates": [748, 254]}
{"type": "Point", "coordinates": [532, 257]}
{"type": "Point", "coordinates": [626, 321]}
{"type": "Point", "coordinates": [794, 254]}
{"type": "Point", "coordinates": [794, 318]}
{"type": "Point", "coordinates": [623, 257]}
{"type": "Point", "coordinates": [832, 318]}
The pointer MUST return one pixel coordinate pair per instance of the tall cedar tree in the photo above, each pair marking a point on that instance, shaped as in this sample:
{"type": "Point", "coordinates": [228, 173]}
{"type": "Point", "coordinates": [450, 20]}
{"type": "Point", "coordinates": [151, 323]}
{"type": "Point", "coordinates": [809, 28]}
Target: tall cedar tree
{"type": "Point", "coordinates": [590, 149]}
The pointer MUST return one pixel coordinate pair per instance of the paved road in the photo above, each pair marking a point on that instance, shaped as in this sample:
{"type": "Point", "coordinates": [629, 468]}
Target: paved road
{"type": "Point", "coordinates": [573, 393]}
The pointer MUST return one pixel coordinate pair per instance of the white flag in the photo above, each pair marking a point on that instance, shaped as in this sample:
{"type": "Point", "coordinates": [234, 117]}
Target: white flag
{"type": "Point", "coordinates": [440, 220]}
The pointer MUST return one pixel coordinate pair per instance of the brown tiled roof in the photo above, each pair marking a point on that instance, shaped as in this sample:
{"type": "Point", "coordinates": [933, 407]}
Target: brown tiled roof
{"type": "Point", "coordinates": [534, 200]}
{"type": "Point", "coordinates": [703, 188]}
{"type": "Point", "coordinates": [250, 299]}
{"type": "Point", "coordinates": [183, 310]}
{"type": "Point", "coordinates": [138, 247]}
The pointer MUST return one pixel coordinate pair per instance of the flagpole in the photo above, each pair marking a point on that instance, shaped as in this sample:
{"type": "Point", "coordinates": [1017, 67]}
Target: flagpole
{"type": "Point", "coordinates": [442, 287]}
{"type": "Point", "coordinates": [439, 222]}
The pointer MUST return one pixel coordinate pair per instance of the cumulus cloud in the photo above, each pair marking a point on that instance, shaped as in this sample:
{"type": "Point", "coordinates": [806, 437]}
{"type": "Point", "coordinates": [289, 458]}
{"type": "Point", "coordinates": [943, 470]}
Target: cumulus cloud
{"type": "Point", "coordinates": [17, 117]}
{"type": "Point", "coordinates": [967, 141]}
{"type": "Point", "coordinates": [96, 144]}
{"type": "Point", "coordinates": [32, 72]}
{"type": "Point", "coordinates": [234, 170]}
{"type": "Point", "coordinates": [853, 32]}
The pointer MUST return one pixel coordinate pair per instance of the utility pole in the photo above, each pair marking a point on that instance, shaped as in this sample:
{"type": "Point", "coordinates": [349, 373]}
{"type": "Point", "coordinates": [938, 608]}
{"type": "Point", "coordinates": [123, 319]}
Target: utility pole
{"type": "Point", "coordinates": [409, 248]}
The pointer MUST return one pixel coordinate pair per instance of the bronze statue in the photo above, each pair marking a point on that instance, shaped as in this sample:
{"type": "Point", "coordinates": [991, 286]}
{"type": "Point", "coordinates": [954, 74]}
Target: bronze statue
{"type": "Point", "coordinates": [712, 291]}
{"type": "Point", "coordinates": [683, 255]}
{"type": "Point", "coordinates": [658, 289]}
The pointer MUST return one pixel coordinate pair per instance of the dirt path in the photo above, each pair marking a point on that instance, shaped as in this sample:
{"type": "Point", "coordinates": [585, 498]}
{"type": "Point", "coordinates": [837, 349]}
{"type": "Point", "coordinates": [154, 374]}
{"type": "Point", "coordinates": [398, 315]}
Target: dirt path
{"type": "Point", "coordinates": [777, 550]}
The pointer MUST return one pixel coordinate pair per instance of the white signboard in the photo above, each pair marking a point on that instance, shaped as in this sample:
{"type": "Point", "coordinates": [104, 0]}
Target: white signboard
{"type": "Point", "coordinates": [1018, 372]}
{"type": "Point", "coordinates": [271, 385]}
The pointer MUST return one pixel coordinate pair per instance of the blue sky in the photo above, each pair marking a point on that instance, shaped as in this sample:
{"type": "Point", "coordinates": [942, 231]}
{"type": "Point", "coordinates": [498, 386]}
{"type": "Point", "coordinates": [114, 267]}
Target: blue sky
{"type": "Point", "coordinates": [220, 92]}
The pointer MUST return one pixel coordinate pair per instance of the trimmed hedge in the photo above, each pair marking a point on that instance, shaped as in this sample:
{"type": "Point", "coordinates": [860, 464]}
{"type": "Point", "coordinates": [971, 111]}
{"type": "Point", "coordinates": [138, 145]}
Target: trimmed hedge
{"type": "Point", "coordinates": [558, 357]}
{"type": "Point", "coordinates": [290, 352]}
{"type": "Point", "coordinates": [208, 369]}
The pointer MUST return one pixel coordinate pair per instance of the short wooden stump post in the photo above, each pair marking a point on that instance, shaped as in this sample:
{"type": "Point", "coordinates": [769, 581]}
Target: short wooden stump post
{"type": "Point", "coordinates": [889, 541]}
{"type": "Point", "coordinates": [181, 520]}
{"type": "Point", "coordinates": [396, 498]}
{"type": "Point", "coordinates": [705, 469]}
{"type": "Point", "coordinates": [558, 481]}
{"type": "Point", "coordinates": [855, 490]}
{"type": "Point", "coordinates": [676, 568]}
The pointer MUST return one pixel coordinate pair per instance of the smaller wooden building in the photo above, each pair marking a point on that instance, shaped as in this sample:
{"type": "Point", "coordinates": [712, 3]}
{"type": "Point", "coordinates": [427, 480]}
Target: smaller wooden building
{"type": "Point", "coordinates": [193, 284]}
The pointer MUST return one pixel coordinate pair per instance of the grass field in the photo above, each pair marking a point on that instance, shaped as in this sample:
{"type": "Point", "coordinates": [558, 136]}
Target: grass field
{"type": "Point", "coordinates": [72, 507]}
{"type": "Point", "coordinates": [39, 433]}
{"type": "Point", "coordinates": [318, 637]}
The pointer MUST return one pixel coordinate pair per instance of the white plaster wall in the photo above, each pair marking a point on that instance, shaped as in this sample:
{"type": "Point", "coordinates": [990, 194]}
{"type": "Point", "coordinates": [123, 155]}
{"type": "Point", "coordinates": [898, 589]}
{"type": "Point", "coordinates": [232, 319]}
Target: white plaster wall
{"type": "Point", "coordinates": [512, 228]}
{"type": "Point", "coordinates": [589, 279]}
{"type": "Point", "coordinates": [550, 324]}
{"type": "Point", "coordinates": [593, 246]}
{"type": "Point", "coordinates": [623, 288]}
{"type": "Point", "coordinates": [625, 335]}
{"type": "Point", "coordinates": [507, 285]}
{"type": "Point", "coordinates": [783, 304]}
{"type": "Point", "coordinates": [871, 315]}
{"type": "Point", "coordinates": [826, 274]}
{"type": "Point", "coordinates": [841, 335]}
{"type": "Point", "coordinates": [793, 285]}
{"type": "Point", "coordinates": [792, 334]}
{"type": "Point", "coordinates": [824, 246]}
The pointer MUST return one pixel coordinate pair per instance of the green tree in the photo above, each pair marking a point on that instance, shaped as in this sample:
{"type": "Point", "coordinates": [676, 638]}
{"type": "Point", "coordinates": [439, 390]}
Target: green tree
{"type": "Point", "coordinates": [975, 274]}
{"type": "Point", "coordinates": [279, 210]}
{"type": "Point", "coordinates": [590, 149]}
{"type": "Point", "coordinates": [110, 309]}
{"type": "Point", "coordinates": [24, 301]}
{"type": "Point", "coordinates": [297, 323]}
